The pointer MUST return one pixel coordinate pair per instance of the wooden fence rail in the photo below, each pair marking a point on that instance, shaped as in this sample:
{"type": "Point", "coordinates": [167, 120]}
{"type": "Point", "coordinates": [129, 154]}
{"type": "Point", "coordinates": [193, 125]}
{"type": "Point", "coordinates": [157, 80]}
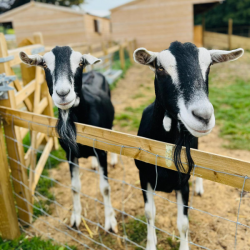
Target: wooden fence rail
{"type": "Point", "coordinates": [209, 166]}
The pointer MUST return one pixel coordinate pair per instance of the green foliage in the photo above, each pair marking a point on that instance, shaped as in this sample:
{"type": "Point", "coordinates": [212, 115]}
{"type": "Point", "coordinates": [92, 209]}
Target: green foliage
{"type": "Point", "coordinates": [26, 243]}
{"type": "Point", "coordinates": [10, 4]}
{"type": "Point", "coordinates": [239, 11]}
{"type": "Point", "coordinates": [232, 108]}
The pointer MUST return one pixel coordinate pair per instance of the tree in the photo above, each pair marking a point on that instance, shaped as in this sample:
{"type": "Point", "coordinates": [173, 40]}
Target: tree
{"type": "Point", "coordinates": [238, 10]}
{"type": "Point", "coordinates": [6, 5]}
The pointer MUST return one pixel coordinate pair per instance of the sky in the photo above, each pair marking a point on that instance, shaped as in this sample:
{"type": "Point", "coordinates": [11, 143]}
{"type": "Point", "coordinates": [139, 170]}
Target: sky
{"type": "Point", "coordinates": [102, 7]}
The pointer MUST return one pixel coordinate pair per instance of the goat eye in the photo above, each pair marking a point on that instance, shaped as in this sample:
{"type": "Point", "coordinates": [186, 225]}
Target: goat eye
{"type": "Point", "coordinates": [160, 69]}
{"type": "Point", "coordinates": [81, 64]}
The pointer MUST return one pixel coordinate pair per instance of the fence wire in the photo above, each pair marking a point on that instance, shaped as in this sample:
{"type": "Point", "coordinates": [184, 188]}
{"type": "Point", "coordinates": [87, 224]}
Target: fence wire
{"type": "Point", "coordinates": [87, 240]}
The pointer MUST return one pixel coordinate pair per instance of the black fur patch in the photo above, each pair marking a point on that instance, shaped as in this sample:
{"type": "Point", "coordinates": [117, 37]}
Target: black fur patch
{"type": "Point", "coordinates": [62, 62]}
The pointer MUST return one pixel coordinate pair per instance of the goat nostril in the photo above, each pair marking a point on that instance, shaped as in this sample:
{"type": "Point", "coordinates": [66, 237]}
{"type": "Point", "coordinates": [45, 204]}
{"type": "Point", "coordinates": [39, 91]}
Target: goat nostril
{"type": "Point", "coordinates": [63, 93]}
{"type": "Point", "coordinates": [202, 115]}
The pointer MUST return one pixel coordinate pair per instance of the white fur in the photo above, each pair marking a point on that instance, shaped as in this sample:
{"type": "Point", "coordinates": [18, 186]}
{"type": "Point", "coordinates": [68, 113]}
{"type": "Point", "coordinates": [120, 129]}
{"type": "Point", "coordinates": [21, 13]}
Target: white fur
{"type": "Point", "coordinates": [49, 59]}
{"type": "Point", "coordinates": [75, 59]}
{"type": "Point", "coordinates": [114, 159]}
{"type": "Point", "coordinates": [167, 121]}
{"type": "Point", "coordinates": [199, 186]}
{"type": "Point", "coordinates": [95, 163]}
{"type": "Point", "coordinates": [196, 127]}
{"type": "Point", "coordinates": [77, 101]}
{"type": "Point", "coordinates": [65, 127]}
{"type": "Point", "coordinates": [150, 215]}
{"type": "Point", "coordinates": [110, 220]}
{"type": "Point", "coordinates": [182, 223]}
{"type": "Point", "coordinates": [204, 61]}
{"type": "Point", "coordinates": [76, 186]}
{"type": "Point", "coordinates": [168, 62]}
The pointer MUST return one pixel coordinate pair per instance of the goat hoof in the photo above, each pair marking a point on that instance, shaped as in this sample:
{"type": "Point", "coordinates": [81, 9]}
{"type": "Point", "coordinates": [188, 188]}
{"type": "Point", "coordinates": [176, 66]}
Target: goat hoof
{"type": "Point", "coordinates": [115, 230]}
{"type": "Point", "coordinates": [199, 194]}
{"type": "Point", "coordinates": [113, 165]}
{"type": "Point", "coordinates": [75, 221]}
{"type": "Point", "coordinates": [111, 226]}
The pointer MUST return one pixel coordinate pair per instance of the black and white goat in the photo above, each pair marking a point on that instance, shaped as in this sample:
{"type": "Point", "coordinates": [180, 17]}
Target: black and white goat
{"type": "Point", "coordinates": [79, 98]}
{"type": "Point", "coordinates": [180, 114]}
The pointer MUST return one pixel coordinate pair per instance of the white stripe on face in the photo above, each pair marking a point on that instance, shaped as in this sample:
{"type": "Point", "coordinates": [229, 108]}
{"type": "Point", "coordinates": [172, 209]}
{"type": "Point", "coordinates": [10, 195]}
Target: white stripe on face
{"type": "Point", "coordinates": [204, 61]}
{"type": "Point", "coordinates": [168, 62]}
{"type": "Point", "coordinates": [49, 59]}
{"type": "Point", "coordinates": [75, 59]}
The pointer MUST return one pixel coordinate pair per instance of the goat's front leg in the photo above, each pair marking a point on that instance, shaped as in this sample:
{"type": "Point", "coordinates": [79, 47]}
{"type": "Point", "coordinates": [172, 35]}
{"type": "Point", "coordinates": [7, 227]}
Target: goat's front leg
{"type": "Point", "coordinates": [199, 186]}
{"type": "Point", "coordinates": [76, 188]}
{"type": "Point", "coordinates": [150, 215]}
{"type": "Point", "coordinates": [182, 216]}
{"type": "Point", "coordinates": [110, 220]}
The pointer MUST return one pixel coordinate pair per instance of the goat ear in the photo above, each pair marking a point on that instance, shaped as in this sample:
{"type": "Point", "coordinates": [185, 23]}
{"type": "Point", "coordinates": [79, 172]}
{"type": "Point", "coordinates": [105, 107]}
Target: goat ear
{"type": "Point", "coordinates": [89, 59]}
{"type": "Point", "coordinates": [144, 56]}
{"type": "Point", "coordinates": [219, 56]}
{"type": "Point", "coordinates": [32, 60]}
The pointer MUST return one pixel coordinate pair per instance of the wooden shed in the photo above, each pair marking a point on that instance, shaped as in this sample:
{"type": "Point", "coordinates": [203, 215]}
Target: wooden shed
{"type": "Point", "coordinates": [59, 25]}
{"type": "Point", "coordinates": [156, 23]}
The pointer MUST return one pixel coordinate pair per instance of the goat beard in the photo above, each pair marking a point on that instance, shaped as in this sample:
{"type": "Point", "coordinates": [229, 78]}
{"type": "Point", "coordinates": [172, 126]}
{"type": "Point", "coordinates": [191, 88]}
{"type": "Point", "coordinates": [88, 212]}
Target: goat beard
{"type": "Point", "coordinates": [184, 139]}
{"type": "Point", "coordinates": [66, 130]}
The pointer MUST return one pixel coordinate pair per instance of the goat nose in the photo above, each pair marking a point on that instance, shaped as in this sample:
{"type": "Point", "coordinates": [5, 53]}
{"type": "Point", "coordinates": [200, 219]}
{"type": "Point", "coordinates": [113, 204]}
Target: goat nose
{"type": "Point", "coordinates": [63, 93]}
{"type": "Point", "coordinates": [203, 113]}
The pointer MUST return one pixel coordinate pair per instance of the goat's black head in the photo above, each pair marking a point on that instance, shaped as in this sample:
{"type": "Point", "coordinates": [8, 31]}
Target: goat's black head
{"type": "Point", "coordinates": [181, 82]}
{"type": "Point", "coordinates": [63, 69]}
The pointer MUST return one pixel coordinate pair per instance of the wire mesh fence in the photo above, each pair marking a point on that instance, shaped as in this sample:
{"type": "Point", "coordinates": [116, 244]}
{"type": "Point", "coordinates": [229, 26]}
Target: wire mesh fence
{"type": "Point", "coordinates": [51, 212]}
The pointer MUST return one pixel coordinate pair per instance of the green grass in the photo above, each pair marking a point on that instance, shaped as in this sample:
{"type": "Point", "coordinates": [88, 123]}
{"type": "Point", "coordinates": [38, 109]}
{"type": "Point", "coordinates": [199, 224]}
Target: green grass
{"type": "Point", "coordinates": [27, 243]}
{"type": "Point", "coordinates": [137, 232]}
{"type": "Point", "coordinates": [132, 116]}
{"type": "Point", "coordinates": [232, 112]}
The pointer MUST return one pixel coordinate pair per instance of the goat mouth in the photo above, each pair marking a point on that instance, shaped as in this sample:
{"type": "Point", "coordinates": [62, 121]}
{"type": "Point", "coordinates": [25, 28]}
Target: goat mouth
{"type": "Point", "coordinates": [202, 131]}
{"type": "Point", "coordinates": [194, 132]}
{"type": "Point", "coordinates": [66, 103]}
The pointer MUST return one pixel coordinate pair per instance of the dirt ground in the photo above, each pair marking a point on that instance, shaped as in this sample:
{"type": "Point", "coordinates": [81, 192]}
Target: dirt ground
{"type": "Point", "coordinates": [205, 230]}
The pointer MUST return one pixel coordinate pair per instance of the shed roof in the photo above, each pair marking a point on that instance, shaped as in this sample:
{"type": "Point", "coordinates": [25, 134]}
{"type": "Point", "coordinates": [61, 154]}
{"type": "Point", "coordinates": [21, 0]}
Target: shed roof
{"type": "Point", "coordinates": [192, 1]}
{"type": "Point", "coordinates": [42, 5]}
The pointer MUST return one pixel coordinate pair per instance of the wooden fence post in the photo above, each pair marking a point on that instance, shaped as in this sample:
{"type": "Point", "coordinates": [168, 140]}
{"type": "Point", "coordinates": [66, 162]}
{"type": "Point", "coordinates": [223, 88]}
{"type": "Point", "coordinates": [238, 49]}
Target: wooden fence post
{"type": "Point", "coordinates": [121, 55]}
{"type": "Point", "coordinates": [130, 51]}
{"type": "Point", "coordinates": [105, 52]}
{"type": "Point", "coordinates": [135, 44]}
{"type": "Point", "coordinates": [230, 32]}
{"type": "Point", "coordinates": [15, 150]}
{"type": "Point", "coordinates": [8, 218]}
{"type": "Point", "coordinates": [203, 30]}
